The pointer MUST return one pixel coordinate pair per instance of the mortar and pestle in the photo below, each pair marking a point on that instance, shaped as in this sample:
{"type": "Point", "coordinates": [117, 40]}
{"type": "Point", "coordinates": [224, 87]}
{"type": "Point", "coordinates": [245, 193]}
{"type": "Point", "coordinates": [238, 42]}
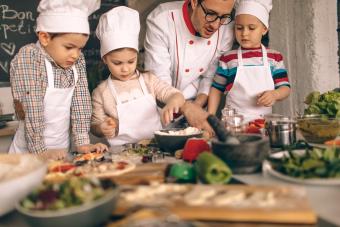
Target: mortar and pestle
{"type": "Point", "coordinates": [243, 153]}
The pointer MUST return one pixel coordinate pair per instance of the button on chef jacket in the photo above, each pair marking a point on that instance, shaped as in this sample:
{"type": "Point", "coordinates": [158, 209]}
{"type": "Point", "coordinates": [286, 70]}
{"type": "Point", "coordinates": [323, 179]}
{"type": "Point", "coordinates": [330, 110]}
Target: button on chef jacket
{"type": "Point", "coordinates": [175, 53]}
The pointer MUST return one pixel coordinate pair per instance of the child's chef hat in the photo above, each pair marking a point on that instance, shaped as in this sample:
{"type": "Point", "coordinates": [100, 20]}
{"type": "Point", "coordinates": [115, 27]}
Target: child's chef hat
{"type": "Point", "coordinates": [65, 16]}
{"type": "Point", "coordinates": [257, 8]}
{"type": "Point", "coordinates": [118, 28]}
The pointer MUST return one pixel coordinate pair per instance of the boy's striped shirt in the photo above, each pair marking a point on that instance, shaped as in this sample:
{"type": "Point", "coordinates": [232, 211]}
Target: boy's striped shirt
{"type": "Point", "coordinates": [228, 63]}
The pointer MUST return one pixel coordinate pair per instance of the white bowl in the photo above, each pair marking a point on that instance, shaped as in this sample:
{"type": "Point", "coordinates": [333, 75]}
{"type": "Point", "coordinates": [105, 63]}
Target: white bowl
{"type": "Point", "coordinates": [94, 213]}
{"type": "Point", "coordinates": [19, 174]}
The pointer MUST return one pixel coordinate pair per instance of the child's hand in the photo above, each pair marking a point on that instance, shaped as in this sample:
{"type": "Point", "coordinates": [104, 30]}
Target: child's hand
{"type": "Point", "coordinates": [87, 148]}
{"type": "Point", "coordinates": [108, 127]}
{"type": "Point", "coordinates": [168, 112]}
{"type": "Point", "coordinates": [267, 98]}
{"type": "Point", "coordinates": [173, 105]}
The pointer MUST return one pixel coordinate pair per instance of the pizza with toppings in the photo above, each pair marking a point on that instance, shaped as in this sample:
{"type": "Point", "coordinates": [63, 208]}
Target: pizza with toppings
{"type": "Point", "coordinates": [105, 169]}
{"type": "Point", "coordinates": [61, 170]}
{"type": "Point", "coordinates": [94, 156]}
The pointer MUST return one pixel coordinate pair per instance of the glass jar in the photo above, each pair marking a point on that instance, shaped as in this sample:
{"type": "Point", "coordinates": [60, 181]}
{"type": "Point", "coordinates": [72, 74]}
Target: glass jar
{"type": "Point", "coordinates": [235, 123]}
{"type": "Point", "coordinates": [227, 111]}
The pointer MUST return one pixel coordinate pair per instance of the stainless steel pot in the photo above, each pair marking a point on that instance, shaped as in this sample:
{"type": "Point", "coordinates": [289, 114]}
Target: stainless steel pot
{"type": "Point", "coordinates": [281, 132]}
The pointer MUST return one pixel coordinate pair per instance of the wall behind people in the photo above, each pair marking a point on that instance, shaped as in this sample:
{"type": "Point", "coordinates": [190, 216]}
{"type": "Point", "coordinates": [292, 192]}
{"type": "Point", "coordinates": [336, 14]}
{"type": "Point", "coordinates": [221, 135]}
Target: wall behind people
{"type": "Point", "coordinates": [305, 31]}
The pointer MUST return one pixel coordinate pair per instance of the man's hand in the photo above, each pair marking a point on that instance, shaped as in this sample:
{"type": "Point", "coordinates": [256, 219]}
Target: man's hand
{"type": "Point", "coordinates": [197, 117]}
{"type": "Point", "coordinates": [201, 100]}
{"type": "Point", "coordinates": [108, 127]}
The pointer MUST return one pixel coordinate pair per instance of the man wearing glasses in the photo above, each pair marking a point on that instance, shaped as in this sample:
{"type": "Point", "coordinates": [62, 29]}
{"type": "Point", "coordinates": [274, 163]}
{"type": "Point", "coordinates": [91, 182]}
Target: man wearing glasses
{"type": "Point", "coordinates": [184, 40]}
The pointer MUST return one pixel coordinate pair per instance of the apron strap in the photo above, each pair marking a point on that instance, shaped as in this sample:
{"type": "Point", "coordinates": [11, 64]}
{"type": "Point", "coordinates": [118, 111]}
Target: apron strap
{"type": "Point", "coordinates": [239, 57]}
{"type": "Point", "coordinates": [50, 75]}
{"type": "Point", "coordinates": [264, 56]}
{"type": "Point", "coordinates": [113, 90]}
{"type": "Point", "coordinates": [75, 74]}
{"type": "Point", "coordinates": [142, 84]}
{"type": "Point", "coordinates": [49, 71]}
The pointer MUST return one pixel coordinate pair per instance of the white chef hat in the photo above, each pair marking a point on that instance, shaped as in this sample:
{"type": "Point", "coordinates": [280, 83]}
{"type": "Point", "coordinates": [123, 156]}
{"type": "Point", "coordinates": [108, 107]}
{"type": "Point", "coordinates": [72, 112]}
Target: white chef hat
{"type": "Point", "coordinates": [257, 8]}
{"type": "Point", "coordinates": [118, 28]}
{"type": "Point", "coordinates": [65, 16]}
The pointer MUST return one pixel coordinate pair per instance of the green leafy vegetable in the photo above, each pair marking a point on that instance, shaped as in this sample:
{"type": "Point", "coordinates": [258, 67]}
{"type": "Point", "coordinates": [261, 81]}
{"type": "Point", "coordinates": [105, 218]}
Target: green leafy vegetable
{"type": "Point", "coordinates": [313, 163]}
{"type": "Point", "coordinates": [327, 103]}
{"type": "Point", "coordinates": [73, 192]}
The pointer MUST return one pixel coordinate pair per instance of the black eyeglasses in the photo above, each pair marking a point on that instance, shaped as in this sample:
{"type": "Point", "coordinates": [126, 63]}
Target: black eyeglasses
{"type": "Point", "coordinates": [212, 17]}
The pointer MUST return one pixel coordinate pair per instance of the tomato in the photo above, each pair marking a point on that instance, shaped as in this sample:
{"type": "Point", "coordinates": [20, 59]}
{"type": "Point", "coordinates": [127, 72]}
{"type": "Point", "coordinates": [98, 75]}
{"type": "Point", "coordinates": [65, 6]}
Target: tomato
{"type": "Point", "coordinates": [335, 142]}
{"type": "Point", "coordinates": [259, 121]}
{"type": "Point", "coordinates": [121, 165]}
{"type": "Point", "coordinates": [253, 129]}
{"type": "Point", "coordinates": [63, 168]}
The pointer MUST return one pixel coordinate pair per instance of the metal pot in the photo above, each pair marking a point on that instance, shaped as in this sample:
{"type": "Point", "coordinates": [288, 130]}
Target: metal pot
{"type": "Point", "coordinates": [281, 132]}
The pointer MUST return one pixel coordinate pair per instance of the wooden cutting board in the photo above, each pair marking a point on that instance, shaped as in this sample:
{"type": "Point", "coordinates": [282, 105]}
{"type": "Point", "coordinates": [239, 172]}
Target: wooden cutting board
{"type": "Point", "coordinates": [292, 205]}
{"type": "Point", "coordinates": [143, 174]}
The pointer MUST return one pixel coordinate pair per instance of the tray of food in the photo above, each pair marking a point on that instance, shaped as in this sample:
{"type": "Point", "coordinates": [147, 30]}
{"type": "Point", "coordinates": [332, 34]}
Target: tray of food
{"type": "Point", "coordinates": [143, 152]}
{"type": "Point", "coordinates": [99, 165]}
{"type": "Point", "coordinates": [271, 204]}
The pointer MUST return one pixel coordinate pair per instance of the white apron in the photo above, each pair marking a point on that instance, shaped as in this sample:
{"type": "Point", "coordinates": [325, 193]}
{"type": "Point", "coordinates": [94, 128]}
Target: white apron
{"type": "Point", "coordinates": [138, 118]}
{"type": "Point", "coordinates": [57, 111]}
{"type": "Point", "coordinates": [249, 82]}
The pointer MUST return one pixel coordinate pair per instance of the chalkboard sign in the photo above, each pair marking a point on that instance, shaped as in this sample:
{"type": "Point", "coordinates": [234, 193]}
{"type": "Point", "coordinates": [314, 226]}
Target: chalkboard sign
{"type": "Point", "coordinates": [17, 28]}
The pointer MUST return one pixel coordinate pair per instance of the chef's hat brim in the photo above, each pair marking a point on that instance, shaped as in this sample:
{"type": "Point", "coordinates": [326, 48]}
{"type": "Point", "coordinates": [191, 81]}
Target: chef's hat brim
{"type": "Point", "coordinates": [255, 8]}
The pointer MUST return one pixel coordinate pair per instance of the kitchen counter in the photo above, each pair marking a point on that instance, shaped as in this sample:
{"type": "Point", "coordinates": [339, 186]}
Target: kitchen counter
{"type": "Point", "coordinates": [10, 129]}
{"type": "Point", "coordinates": [324, 200]}
{"type": "Point", "coordinates": [6, 135]}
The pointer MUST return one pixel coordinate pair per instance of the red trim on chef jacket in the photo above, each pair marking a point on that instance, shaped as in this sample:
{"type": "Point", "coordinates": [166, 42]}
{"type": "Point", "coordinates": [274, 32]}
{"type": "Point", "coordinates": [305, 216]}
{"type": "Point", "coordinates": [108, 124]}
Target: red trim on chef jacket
{"type": "Point", "coordinates": [186, 17]}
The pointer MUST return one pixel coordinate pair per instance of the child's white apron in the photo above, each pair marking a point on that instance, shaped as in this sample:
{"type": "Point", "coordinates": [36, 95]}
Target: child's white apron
{"type": "Point", "coordinates": [57, 111]}
{"type": "Point", "coordinates": [249, 82]}
{"type": "Point", "coordinates": [138, 118]}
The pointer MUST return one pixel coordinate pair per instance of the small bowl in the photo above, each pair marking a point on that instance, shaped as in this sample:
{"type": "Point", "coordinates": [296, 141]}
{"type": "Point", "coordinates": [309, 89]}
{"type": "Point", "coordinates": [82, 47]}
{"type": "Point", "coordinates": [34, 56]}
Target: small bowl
{"type": "Point", "coordinates": [243, 158]}
{"type": "Point", "coordinates": [318, 129]}
{"type": "Point", "coordinates": [26, 172]}
{"type": "Point", "coordinates": [90, 214]}
{"type": "Point", "coordinates": [170, 143]}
